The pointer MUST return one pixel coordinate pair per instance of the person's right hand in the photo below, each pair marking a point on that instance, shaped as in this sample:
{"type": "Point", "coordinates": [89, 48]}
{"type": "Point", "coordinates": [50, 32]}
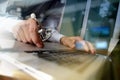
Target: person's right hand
{"type": "Point", "coordinates": [27, 32]}
{"type": "Point", "coordinates": [71, 41]}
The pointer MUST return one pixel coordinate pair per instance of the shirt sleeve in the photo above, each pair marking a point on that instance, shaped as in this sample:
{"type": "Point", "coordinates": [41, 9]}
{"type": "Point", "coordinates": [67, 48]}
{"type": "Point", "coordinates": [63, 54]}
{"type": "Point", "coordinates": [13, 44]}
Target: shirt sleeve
{"type": "Point", "coordinates": [53, 20]}
{"type": "Point", "coordinates": [7, 24]}
{"type": "Point", "coordinates": [52, 23]}
{"type": "Point", "coordinates": [56, 36]}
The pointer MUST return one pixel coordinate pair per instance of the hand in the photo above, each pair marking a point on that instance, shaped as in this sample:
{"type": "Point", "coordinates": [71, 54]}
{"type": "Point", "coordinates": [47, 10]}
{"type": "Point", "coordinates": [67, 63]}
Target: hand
{"type": "Point", "coordinates": [70, 42]}
{"type": "Point", "coordinates": [27, 32]}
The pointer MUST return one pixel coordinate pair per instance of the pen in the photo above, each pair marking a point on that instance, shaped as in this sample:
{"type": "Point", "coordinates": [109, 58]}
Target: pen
{"type": "Point", "coordinates": [45, 33]}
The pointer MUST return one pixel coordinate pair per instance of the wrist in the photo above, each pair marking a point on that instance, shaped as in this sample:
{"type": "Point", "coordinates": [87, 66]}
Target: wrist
{"type": "Point", "coordinates": [62, 40]}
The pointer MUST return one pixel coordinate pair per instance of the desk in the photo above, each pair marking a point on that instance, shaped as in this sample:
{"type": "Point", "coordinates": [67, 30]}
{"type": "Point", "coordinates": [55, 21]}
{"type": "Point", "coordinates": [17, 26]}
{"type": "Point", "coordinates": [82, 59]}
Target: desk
{"type": "Point", "coordinates": [89, 67]}
{"type": "Point", "coordinates": [88, 70]}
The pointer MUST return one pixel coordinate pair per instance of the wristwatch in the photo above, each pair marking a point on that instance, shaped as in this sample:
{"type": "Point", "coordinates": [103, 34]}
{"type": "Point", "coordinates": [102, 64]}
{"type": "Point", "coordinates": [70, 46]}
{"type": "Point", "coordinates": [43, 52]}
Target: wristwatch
{"type": "Point", "coordinates": [45, 33]}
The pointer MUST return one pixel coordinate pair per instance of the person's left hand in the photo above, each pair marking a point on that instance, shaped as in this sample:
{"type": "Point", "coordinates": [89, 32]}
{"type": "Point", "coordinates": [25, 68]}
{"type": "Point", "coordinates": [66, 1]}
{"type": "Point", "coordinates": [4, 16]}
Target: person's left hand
{"type": "Point", "coordinates": [71, 41]}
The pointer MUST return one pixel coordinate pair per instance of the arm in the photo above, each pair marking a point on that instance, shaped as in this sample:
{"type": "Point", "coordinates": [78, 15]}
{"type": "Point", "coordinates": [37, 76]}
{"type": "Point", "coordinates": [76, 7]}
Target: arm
{"type": "Point", "coordinates": [27, 30]}
{"type": "Point", "coordinates": [53, 21]}
{"type": "Point", "coordinates": [23, 30]}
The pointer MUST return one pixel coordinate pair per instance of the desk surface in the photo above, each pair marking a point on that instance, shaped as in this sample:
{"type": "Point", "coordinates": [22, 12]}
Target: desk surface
{"type": "Point", "coordinates": [77, 66]}
{"type": "Point", "coordinates": [86, 68]}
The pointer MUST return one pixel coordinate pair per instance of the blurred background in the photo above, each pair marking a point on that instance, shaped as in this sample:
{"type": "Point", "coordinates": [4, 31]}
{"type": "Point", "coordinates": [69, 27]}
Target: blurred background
{"type": "Point", "coordinates": [93, 20]}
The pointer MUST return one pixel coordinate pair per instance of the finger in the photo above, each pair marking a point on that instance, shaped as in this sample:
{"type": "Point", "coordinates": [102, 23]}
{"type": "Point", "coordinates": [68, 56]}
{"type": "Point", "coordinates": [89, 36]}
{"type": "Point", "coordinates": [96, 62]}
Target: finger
{"type": "Point", "coordinates": [71, 45]}
{"type": "Point", "coordinates": [75, 39]}
{"type": "Point", "coordinates": [70, 42]}
{"type": "Point", "coordinates": [15, 31]}
{"type": "Point", "coordinates": [78, 38]}
{"type": "Point", "coordinates": [36, 39]}
{"type": "Point", "coordinates": [34, 34]}
{"type": "Point", "coordinates": [21, 35]}
{"type": "Point", "coordinates": [26, 33]}
{"type": "Point", "coordinates": [91, 48]}
{"type": "Point", "coordinates": [85, 46]}
{"type": "Point", "coordinates": [17, 37]}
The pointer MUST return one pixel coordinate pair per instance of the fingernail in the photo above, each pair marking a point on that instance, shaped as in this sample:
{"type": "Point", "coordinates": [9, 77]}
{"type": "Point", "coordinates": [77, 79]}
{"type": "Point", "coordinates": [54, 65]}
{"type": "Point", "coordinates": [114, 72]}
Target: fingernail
{"type": "Point", "coordinates": [93, 51]}
{"type": "Point", "coordinates": [39, 45]}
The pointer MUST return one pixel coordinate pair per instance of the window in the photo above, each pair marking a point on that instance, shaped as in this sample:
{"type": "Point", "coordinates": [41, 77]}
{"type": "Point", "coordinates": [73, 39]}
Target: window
{"type": "Point", "coordinates": [73, 17]}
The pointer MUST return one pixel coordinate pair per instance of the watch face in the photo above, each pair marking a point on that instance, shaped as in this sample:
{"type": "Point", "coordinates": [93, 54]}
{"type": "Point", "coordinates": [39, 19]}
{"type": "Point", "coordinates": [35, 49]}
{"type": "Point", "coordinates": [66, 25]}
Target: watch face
{"type": "Point", "coordinates": [45, 34]}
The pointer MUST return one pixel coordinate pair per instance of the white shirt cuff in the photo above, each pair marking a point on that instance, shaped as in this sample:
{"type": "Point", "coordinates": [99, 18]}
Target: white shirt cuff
{"type": "Point", "coordinates": [56, 36]}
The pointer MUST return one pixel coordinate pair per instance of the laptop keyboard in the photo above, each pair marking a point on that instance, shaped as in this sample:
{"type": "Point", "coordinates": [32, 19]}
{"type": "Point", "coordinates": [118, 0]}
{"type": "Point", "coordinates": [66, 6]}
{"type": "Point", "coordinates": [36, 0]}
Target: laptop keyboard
{"type": "Point", "coordinates": [69, 59]}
